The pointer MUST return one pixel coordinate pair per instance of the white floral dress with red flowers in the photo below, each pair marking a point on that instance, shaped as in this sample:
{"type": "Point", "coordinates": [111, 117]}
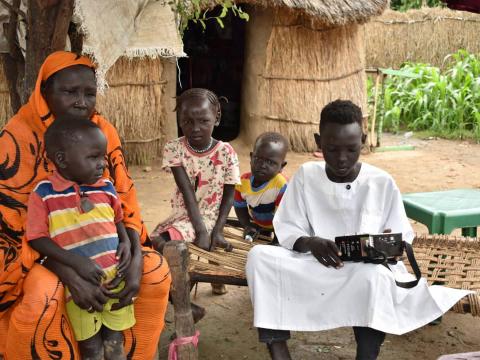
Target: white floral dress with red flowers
{"type": "Point", "coordinates": [208, 172]}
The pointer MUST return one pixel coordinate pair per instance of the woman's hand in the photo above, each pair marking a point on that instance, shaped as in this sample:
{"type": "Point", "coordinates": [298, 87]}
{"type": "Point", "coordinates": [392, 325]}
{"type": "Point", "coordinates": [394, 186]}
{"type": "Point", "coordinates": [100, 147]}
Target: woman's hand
{"type": "Point", "coordinates": [128, 294]}
{"type": "Point", "coordinates": [88, 269]}
{"type": "Point", "coordinates": [218, 240]}
{"type": "Point", "coordinates": [124, 256]}
{"type": "Point", "coordinates": [132, 275]}
{"type": "Point", "coordinates": [85, 294]}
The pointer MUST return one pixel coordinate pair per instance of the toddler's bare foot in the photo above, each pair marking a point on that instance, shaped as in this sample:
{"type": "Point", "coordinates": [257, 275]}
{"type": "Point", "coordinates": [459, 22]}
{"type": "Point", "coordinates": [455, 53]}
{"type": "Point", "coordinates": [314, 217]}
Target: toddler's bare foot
{"type": "Point", "coordinates": [219, 289]}
{"type": "Point", "coordinates": [198, 312]}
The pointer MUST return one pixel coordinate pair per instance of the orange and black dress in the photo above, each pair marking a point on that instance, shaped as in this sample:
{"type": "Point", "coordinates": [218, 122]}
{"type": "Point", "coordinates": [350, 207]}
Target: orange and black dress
{"type": "Point", "coordinates": [33, 323]}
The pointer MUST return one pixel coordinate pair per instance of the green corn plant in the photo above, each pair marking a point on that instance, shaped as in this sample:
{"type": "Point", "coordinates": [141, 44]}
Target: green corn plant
{"type": "Point", "coordinates": [444, 101]}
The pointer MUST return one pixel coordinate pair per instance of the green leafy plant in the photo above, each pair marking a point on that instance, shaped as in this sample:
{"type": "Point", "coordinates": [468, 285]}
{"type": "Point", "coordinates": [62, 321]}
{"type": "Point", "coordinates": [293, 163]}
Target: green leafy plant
{"type": "Point", "coordinates": [193, 10]}
{"type": "Point", "coordinates": [444, 101]}
{"type": "Point", "coordinates": [404, 5]}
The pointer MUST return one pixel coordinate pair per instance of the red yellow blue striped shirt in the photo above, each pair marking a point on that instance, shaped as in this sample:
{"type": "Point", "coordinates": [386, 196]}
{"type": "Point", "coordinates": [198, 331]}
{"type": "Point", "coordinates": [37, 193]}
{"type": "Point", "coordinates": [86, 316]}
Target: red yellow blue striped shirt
{"type": "Point", "coordinates": [54, 211]}
{"type": "Point", "coordinates": [262, 201]}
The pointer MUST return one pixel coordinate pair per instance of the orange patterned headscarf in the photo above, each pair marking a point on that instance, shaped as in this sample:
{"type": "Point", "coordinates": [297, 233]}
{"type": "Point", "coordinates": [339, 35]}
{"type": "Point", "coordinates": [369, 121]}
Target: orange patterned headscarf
{"type": "Point", "coordinates": [23, 164]}
{"type": "Point", "coordinates": [55, 62]}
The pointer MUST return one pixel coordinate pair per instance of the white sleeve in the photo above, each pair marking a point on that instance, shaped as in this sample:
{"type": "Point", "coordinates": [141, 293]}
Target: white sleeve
{"type": "Point", "coordinates": [291, 220]}
{"type": "Point", "coordinates": [396, 219]}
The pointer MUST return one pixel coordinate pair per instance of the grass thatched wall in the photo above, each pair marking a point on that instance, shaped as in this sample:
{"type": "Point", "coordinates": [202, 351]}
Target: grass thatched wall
{"type": "Point", "coordinates": [5, 109]}
{"type": "Point", "coordinates": [140, 103]}
{"type": "Point", "coordinates": [426, 35]}
{"type": "Point", "coordinates": [293, 68]}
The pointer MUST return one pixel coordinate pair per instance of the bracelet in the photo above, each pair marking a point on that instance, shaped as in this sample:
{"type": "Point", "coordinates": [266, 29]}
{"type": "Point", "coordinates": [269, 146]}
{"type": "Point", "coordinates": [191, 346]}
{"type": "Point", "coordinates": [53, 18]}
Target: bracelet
{"type": "Point", "coordinates": [42, 260]}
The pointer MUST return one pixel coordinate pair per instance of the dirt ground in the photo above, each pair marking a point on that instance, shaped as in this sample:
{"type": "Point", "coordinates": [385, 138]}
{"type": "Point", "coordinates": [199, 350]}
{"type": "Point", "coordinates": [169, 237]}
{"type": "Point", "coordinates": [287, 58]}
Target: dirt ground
{"type": "Point", "coordinates": [227, 332]}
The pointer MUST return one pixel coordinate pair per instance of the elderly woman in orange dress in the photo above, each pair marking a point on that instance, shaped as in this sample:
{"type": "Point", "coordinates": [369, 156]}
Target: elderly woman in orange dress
{"type": "Point", "coordinates": [33, 323]}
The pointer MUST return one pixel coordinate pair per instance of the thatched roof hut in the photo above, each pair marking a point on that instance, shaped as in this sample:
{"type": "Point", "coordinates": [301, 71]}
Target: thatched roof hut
{"type": "Point", "coordinates": [140, 94]}
{"type": "Point", "coordinates": [329, 12]}
{"type": "Point", "coordinates": [278, 70]}
{"type": "Point", "coordinates": [298, 55]}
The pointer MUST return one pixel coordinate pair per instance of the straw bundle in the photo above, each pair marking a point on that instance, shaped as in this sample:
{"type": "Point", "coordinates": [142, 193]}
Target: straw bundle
{"type": "Point", "coordinates": [303, 69]}
{"type": "Point", "coordinates": [5, 108]}
{"type": "Point", "coordinates": [139, 103]}
{"type": "Point", "coordinates": [426, 35]}
{"type": "Point", "coordinates": [221, 263]}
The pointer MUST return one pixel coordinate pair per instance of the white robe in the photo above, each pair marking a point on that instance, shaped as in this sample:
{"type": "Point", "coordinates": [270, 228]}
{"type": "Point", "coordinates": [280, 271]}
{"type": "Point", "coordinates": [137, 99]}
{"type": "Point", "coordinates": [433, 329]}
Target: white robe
{"type": "Point", "coordinates": [293, 291]}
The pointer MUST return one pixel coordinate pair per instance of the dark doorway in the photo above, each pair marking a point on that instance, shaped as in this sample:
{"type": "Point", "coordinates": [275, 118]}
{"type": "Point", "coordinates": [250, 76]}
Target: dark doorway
{"type": "Point", "coordinates": [215, 62]}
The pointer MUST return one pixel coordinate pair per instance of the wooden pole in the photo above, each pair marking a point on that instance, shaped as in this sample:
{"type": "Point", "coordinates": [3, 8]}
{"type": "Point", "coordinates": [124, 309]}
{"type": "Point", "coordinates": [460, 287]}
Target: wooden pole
{"type": "Point", "coordinates": [76, 39]}
{"type": "Point", "coordinates": [374, 117]}
{"type": "Point", "coordinates": [382, 117]}
{"type": "Point", "coordinates": [64, 15]}
{"type": "Point", "coordinates": [47, 28]}
{"type": "Point", "coordinates": [48, 22]}
{"type": "Point", "coordinates": [13, 62]}
{"type": "Point", "coordinates": [177, 255]}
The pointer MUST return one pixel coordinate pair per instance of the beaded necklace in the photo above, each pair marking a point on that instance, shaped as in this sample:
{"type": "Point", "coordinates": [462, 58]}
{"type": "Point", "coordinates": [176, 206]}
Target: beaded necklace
{"type": "Point", "coordinates": [200, 151]}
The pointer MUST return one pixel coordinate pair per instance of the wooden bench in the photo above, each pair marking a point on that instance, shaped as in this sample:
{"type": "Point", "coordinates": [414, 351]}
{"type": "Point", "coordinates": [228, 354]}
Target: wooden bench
{"type": "Point", "coordinates": [453, 261]}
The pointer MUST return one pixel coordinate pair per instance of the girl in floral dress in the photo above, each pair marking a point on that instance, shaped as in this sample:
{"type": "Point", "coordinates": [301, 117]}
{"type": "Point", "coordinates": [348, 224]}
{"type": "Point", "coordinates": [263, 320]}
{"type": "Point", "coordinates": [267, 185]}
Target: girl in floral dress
{"type": "Point", "coordinates": [205, 171]}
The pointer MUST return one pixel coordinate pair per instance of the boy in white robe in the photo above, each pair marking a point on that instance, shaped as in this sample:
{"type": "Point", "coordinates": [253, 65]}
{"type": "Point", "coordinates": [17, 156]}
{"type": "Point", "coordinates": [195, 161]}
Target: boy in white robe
{"type": "Point", "coordinates": [303, 285]}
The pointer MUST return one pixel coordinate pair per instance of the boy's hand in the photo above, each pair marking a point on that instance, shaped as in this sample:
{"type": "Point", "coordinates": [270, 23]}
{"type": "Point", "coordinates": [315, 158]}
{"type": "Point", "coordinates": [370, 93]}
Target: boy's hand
{"type": "Point", "coordinates": [88, 270]}
{"type": "Point", "coordinates": [123, 255]}
{"type": "Point", "coordinates": [325, 251]}
{"type": "Point", "coordinates": [202, 240]}
{"type": "Point", "coordinates": [218, 240]}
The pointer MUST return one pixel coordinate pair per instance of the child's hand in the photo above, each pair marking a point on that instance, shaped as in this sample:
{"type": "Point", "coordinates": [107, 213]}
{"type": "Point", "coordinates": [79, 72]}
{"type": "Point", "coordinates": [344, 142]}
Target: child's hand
{"type": "Point", "coordinates": [218, 240]}
{"type": "Point", "coordinates": [325, 251]}
{"type": "Point", "coordinates": [88, 270]}
{"type": "Point", "coordinates": [202, 240]}
{"type": "Point", "coordinates": [123, 256]}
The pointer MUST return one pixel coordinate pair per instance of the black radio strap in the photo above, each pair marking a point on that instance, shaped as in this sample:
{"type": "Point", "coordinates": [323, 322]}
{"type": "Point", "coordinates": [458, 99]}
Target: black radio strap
{"type": "Point", "coordinates": [415, 268]}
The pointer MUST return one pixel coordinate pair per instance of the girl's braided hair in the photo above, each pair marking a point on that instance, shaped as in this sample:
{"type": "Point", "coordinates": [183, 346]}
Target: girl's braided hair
{"type": "Point", "coordinates": [200, 93]}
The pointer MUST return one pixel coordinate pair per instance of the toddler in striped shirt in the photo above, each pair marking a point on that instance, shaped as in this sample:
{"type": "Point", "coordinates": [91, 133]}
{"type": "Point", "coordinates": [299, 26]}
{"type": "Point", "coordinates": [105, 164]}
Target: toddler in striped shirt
{"type": "Point", "coordinates": [75, 218]}
{"type": "Point", "coordinates": [257, 197]}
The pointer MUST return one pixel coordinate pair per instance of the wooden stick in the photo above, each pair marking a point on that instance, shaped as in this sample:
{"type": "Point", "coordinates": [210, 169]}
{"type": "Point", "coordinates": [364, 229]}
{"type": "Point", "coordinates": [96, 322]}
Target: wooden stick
{"type": "Point", "coordinates": [13, 61]}
{"type": "Point", "coordinates": [177, 255]}
{"type": "Point", "coordinates": [62, 23]}
{"type": "Point", "coordinates": [382, 117]}
{"type": "Point", "coordinates": [374, 117]}
{"type": "Point", "coordinates": [76, 38]}
{"type": "Point", "coordinates": [218, 279]}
